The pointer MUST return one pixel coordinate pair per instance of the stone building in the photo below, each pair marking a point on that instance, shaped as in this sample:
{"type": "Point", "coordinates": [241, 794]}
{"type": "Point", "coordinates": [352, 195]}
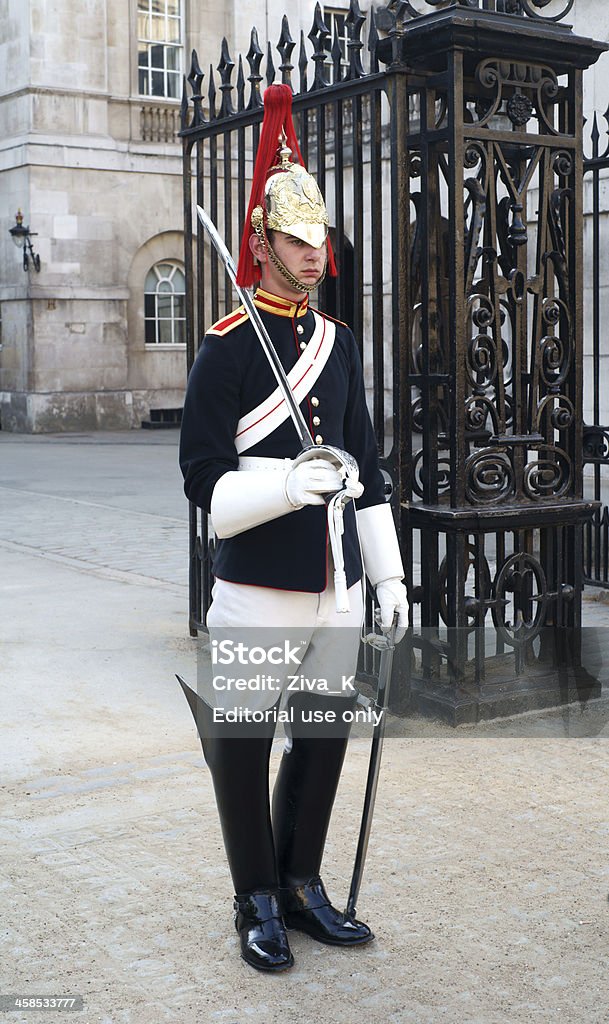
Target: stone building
{"type": "Point", "coordinates": [89, 108]}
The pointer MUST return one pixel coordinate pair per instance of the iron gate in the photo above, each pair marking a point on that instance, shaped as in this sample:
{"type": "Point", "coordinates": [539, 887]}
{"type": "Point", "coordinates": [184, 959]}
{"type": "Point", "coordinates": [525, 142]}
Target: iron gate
{"type": "Point", "coordinates": [449, 149]}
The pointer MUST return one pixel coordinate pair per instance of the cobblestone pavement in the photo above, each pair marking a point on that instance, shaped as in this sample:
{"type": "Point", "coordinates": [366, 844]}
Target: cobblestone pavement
{"type": "Point", "coordinates": [487, 879]}
{"type": "Point", "coordinates": [116, 505]}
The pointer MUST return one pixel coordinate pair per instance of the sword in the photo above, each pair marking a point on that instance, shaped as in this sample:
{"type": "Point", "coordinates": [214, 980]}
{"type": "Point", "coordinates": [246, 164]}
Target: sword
{"type": "Point", "coordinates": [304, 434]}
{"type": "Point", "coordinates": [386, 644]}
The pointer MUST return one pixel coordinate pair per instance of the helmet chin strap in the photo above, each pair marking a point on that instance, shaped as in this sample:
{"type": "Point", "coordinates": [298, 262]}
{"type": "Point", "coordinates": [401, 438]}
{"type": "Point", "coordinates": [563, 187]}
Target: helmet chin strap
{"type": "Point", "coordinates": [283, 270]}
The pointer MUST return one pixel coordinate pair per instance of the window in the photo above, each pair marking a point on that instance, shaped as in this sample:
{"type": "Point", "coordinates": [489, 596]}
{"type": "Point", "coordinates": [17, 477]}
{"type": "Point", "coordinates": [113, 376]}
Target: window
{"type": "Point", "coordinates": [335, 19]}
{"type": "Point", "coordinates": [164, 305]}
{"type": "Point", "coordinates": [160, 34]}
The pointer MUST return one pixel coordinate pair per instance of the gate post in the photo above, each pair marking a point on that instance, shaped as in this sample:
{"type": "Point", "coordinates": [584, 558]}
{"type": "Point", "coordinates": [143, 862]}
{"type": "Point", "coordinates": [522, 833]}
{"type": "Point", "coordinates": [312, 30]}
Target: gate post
{"type": "Point", "coordinates": [495, 340]}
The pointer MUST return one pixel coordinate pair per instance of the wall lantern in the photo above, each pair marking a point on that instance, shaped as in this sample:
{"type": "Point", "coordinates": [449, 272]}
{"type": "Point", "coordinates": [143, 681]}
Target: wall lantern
{"type": "Point", "coordinates": [22, 237]}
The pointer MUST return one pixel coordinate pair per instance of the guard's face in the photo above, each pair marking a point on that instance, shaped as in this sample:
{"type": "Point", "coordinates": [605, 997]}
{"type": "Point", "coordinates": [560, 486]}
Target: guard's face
{"type": "Point", "coordinates": [301, 259]}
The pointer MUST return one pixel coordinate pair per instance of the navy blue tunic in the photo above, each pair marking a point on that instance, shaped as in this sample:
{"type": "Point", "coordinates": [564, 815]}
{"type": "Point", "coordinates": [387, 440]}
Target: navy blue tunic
{"type": "Point", "coordinates": [230, 377]}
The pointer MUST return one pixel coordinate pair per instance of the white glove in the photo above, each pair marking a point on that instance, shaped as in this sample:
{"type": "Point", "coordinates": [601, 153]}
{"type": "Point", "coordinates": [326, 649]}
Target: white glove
{"type": "Point", "coordinates": [348, 483]}
{"type": "Point", "coordinates": [307, 482]}
{"type": "Point", "coordinates": [391, 598]}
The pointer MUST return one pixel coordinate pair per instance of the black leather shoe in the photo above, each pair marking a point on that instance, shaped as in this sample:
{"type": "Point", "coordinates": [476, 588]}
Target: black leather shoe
{"type": "Point", "coordinates": [306, 908]}
{"type": "Point", "coordinates": [264, 943]}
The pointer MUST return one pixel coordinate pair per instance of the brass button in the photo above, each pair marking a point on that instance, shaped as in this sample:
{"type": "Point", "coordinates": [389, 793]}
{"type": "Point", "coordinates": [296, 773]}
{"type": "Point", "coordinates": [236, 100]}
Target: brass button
{"type": "Point", "coordinates": [316, 421]}
{"type": "Point", "coordinates": [303, 345]}
{"type": "Point", "coordinates": [319, 439]}
{"type": "Point", "coordinates": [300, 329]}
{"type": "Point", "coordinates": [314, 401]}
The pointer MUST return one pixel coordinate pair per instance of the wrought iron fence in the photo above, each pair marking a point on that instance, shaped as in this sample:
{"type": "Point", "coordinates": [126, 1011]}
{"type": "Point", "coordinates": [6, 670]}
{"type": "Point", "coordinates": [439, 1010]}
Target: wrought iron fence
{"type": "Point", "coordinates": [596, 434]}
{"type": "Point", "coordinates": [431, 147]}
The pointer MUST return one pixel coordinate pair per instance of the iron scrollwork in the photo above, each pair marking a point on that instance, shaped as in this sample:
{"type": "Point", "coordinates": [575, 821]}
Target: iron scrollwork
{"type": "Point", "coordinates": [489, 476]}
{"type": "Point", "coordinates": [474, 564]}
{"type": "Point", "coordinates": [524, 89]}
{"type": "Point", "coordinates": [549, 475]}
{"type": "Point", "coordinates": [596, 444]}
{"type": "Point", "coordinates": [404, 10]}
{"type": "Point", "coordinates": [520, 583]}
{"type": "Point", "coordinates": [419, 474]}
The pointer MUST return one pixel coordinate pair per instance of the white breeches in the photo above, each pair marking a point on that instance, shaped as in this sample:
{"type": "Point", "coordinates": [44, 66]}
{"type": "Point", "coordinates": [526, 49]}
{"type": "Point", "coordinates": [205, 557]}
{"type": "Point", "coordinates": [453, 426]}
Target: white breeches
{"type": "Point", "coordinates": [321, 645]}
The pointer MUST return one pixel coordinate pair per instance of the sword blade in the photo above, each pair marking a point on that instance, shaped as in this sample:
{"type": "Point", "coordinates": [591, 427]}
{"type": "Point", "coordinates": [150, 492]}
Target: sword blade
{"type": "Point", "coordinates": [304, 434]}
{"type": "Point", "coordinates": [374, 768]}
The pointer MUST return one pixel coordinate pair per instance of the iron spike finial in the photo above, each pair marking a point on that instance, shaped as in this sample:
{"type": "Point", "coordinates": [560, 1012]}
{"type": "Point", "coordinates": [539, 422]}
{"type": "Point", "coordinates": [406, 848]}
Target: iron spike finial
{"type": "Point", "coordinates": [254, 58]}
{"type": "Point", "coordinates": [595, 135]}
{"type": "Point", "coordinates": [285, 46]}
{"type": "Point", "coordinates": [373, 40]}
{"type": "Point", "coordinates": [211, 94]}
{"type": "Point", "coordinates": [270, 67]}
{"type": "Point", "coordinates": [195, 77]}
{"type": "Point", "coordinates": [184, 106]}
{"type": "Point", "coordinates": [225, 68]}
{"type": "Point", "coordinates": [399, 8]}
{"type": "Point", "coordinates": [355, 21]}
{"type": "Point", "coordinates": [355, 18]}
{"type": "Point", "coordinates": [319, 36]}
{"type": "Point", "coordinates": [402, 10]}
{"type": "Point", "coordinates": [303, 63]}
{"type": "Point", "coordinates": [337, 56]}
{"type": "Point", "coordinates": [240, 85]}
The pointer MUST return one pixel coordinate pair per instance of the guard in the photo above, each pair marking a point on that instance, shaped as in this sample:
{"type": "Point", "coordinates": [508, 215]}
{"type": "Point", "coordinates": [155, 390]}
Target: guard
{"type": "Point", "coordinates": [274, 567]}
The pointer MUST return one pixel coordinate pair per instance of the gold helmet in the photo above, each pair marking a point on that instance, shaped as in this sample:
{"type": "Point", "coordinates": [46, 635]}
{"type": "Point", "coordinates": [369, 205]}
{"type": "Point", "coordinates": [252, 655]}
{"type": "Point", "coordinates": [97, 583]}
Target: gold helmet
{"type": "Point", "coordinates": [294, 203]}
{"type": "Point", "coordinates": [285, 197]}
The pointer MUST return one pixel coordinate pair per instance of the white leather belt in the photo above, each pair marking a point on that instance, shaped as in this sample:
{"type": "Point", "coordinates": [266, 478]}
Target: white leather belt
{"type": "Point", "coordinates": [259, 462]}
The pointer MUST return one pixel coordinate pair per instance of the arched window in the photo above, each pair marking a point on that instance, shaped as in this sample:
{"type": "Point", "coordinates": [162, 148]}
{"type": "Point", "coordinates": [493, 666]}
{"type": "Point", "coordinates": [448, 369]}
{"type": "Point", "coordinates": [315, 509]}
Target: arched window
{"type": "Point", "coordinates": [164, 310]}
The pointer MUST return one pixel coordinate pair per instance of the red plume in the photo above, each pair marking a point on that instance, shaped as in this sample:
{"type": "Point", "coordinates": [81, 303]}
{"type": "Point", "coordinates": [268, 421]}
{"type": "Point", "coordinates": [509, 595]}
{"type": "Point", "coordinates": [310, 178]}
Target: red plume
{"type": "Point", "coordinates": [277, 120]}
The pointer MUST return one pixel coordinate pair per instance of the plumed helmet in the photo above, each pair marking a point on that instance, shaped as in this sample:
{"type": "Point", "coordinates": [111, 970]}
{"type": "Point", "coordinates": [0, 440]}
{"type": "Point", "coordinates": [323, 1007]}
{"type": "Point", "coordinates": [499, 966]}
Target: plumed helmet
{"type": "Point", "coordinates": [284, 197]}
{"type": "Point", "coordinates": [295, 205]}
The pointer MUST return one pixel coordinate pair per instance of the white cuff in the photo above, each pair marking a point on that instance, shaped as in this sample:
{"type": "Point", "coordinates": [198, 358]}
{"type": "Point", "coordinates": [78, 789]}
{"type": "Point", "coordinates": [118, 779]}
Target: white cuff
{"type": "Point", "coordinates": [379, 543]}
{"type": "Point", "coordinates": [241, 501]}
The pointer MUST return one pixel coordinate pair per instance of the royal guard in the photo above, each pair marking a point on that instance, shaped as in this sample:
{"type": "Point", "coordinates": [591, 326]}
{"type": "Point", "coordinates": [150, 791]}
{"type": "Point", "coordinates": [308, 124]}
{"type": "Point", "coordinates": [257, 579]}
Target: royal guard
{"type": "Point", "coordinates": [274, 565]}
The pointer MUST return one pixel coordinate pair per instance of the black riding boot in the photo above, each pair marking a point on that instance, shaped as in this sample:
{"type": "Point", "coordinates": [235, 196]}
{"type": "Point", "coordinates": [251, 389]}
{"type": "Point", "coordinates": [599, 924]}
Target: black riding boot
{"type": "Point", "coordinates": [239, 766]}
{"type": "Point", "coordinates": [303, 798]}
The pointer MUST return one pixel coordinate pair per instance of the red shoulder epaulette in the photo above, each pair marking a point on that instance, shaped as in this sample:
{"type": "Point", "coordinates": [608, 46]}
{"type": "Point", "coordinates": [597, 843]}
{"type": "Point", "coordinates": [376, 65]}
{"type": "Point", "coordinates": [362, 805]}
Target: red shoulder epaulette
{"type": "Point", "coordinates": [227, 323]}
{"type": "Point", "coordinates": [328, 317]}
